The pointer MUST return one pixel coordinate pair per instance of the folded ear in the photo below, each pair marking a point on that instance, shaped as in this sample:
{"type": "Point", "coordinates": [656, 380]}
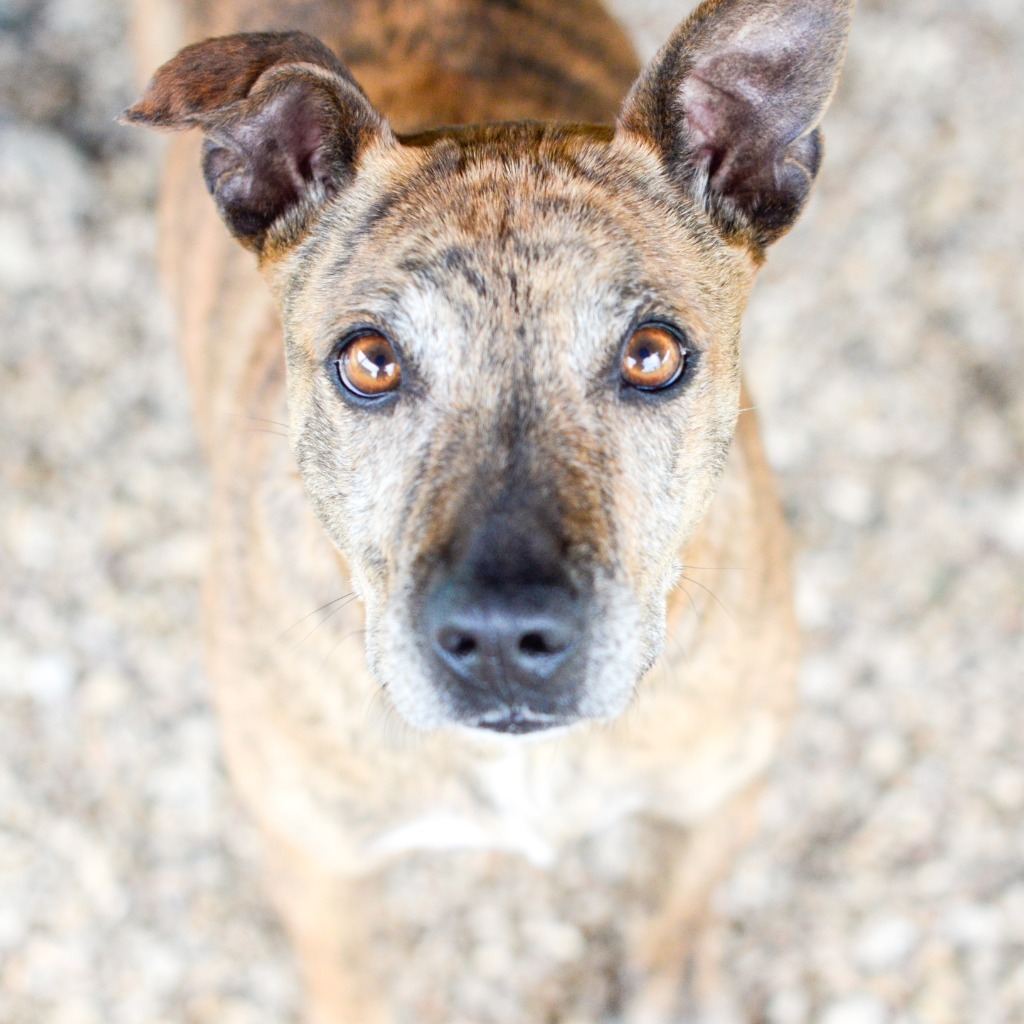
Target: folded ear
{"type": "Point", "coordinates": [284, 122]}
{"type": "Point", "coordinates": [733, 102]}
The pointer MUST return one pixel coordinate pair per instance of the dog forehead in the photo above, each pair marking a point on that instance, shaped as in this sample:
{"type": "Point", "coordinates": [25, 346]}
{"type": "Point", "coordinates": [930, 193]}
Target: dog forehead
{"type": "Point", "coordinates": [527, 236]}
{"type": "Point", "coordinates": [539, 274]}
{"type": "Point", "coordinates": [468, 215]}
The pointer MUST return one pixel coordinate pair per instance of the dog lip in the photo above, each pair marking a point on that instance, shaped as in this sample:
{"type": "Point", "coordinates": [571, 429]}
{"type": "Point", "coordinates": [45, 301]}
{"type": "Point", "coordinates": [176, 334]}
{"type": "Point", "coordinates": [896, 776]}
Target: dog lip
{"type": "Point", "coordinates": [519, 721]}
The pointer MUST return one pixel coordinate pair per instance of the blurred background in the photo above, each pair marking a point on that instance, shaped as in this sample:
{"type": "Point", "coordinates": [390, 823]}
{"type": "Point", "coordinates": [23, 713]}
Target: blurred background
{"type": "Point", "coordinates": [885, 349]}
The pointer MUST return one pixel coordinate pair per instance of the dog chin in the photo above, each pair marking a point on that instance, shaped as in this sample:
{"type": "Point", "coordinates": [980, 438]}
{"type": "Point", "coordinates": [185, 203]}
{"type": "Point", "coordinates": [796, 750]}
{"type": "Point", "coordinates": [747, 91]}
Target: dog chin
{"type": "Point", "coordinates": [521, 721]}
{"type": "Point", "coordinates": [502, 732]}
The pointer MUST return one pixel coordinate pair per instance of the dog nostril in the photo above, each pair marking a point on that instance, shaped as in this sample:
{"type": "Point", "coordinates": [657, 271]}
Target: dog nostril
{"type": "Point", "coordinates": [536, 643]}
{"type": "Point", "coordinates": [457, 643]}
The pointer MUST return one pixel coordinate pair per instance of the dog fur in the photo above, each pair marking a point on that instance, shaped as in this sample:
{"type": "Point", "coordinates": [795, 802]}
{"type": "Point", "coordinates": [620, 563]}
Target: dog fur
{"type": "Point", "coordinates": [427, 869]}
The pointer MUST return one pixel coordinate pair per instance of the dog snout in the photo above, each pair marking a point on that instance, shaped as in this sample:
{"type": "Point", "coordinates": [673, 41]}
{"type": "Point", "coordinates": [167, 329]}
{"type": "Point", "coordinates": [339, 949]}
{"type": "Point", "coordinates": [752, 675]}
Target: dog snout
{"type": "Point", "coordinates": [505, 630]}
{"type": "Point", "coordinates": [524, 635]}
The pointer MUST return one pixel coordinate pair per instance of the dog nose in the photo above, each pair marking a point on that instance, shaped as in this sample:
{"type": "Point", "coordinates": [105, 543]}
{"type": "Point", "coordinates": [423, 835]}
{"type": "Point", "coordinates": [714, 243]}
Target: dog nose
{"type": "Point", "coordinates": [503, 623]}
{"type": "Point", "coordinates": [511, 641]}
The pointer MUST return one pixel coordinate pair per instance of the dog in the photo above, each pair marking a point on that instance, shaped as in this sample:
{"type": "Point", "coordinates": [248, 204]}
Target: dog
{"type": "Point", "coordinates": [501, 766]}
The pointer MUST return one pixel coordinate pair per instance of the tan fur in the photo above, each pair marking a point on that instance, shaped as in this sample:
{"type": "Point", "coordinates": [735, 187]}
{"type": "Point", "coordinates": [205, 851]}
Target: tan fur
{"type": "Point", "coordinates": [443, 875]}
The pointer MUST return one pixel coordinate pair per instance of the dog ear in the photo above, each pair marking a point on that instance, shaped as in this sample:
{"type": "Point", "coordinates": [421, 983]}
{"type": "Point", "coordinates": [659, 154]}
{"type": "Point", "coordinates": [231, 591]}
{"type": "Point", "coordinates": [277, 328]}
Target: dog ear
{"type": "Point", "coordinates": [284, 122]}
{"type": "Point", "coordinates": [732, 102]}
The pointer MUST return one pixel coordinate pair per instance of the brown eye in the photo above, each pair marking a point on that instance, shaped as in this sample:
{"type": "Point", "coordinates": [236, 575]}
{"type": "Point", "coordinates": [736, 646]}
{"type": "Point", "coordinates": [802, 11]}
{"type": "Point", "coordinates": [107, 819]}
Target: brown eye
{"type": "Point", "coordinates": [368, 366]}
{"type": "Point", "coordinates": [654, 358]}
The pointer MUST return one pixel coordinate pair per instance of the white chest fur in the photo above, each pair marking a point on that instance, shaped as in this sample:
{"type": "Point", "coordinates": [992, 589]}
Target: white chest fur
{"type": "Point", "coordinates": [534, 798]}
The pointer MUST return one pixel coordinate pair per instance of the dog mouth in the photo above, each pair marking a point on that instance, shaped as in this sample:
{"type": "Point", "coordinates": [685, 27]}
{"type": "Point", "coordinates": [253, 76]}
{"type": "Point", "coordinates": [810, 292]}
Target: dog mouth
{"type": "Point", "coordinates": [519, 721]}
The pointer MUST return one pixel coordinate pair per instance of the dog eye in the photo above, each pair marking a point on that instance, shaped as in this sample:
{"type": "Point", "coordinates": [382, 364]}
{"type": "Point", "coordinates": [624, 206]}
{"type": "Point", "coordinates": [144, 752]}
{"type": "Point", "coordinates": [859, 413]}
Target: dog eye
{"type": "Point", "coordinates": [653, 359]}
{"type": "Point", "coordinates": [368, 366]}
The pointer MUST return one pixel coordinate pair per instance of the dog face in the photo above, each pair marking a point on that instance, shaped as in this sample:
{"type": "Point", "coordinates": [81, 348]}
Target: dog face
{"type": "Point", "coordinates": [513, 350]}
{"type": "Point", "coordinates": [512, 500]}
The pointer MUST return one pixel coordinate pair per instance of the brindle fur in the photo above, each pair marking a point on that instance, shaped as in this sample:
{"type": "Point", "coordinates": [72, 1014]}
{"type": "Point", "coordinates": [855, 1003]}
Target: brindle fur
{"type": "Point", "coordinates": [435, 874]}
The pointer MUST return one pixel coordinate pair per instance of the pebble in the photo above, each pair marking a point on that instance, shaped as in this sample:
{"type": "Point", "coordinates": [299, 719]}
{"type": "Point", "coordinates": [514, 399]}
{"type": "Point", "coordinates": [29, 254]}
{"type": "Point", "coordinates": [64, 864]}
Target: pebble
{"type": "Point", "coordinates": [885, 943]}
{"type": "Point", "coordinates": [789, 1006]}
{"type": "Point", "coordinates": [973, 925]}
{"type": "Point", "coordinates": [856, 1010]}
{"type": "Point", "coordinates": [49, 678]}
{"type": "Point", "coordinates": [849, 500]}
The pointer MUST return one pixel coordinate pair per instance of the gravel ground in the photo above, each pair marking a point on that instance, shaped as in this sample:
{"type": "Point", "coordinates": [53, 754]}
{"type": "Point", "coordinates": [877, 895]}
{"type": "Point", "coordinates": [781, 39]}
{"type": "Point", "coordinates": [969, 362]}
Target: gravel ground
{"type": "Point", "coordinates": [886, 349]}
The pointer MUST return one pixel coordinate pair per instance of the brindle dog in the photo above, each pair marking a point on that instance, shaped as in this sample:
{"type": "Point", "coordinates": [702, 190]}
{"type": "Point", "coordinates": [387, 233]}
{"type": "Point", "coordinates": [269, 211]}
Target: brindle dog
{"type": "Point", "coordinates": [509, 367]}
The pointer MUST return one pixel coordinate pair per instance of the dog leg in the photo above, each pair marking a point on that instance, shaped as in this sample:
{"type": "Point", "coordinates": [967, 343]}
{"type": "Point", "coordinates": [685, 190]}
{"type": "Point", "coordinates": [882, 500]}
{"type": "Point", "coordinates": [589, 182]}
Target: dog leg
{"type": "Point", "coordinates": [322, 914]}
{"type": "Point", "coordinates": [677, 975]}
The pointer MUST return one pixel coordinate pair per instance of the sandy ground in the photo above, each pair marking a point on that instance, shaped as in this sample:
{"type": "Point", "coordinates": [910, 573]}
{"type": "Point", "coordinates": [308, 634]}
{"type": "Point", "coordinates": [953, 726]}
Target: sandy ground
{"type": "Point", "coordinates": [886, 350]}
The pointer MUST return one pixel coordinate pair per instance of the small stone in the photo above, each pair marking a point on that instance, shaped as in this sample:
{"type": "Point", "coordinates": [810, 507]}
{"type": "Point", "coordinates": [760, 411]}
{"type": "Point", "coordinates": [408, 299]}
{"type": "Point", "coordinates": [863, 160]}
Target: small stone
{"type": "Point", "coordinates": [104, 691]}
{"type": "Point", "coordinates": [1006, 523]}
{"type": "Point", "coordinates": [885, 943]}
{"type": "Point", "coordinates": [75, 1011]}
{"type": "Point", "coordinates": [490, 961]}
{"type": "Point", "coordinates": [822, 680]}
{"type": "Point", "coordinates": [813, 603]}
{"type": "Point", "coordinates": [790, 1006]}
{"type": "Point", "coordinates": [850, 501]}
{"type": "Point", "coordinates": [973, 925]}
{"type": "Point", "coordinates": [50, 679]}
{"type": "Point", "coordinates": [856, 1010]}
{"type": "Point", "coordinates": [1007, 789]}
{"type": "Point", "coordinates": [559, 941]}
{"type": "Point", "coordinates": [885, 755]}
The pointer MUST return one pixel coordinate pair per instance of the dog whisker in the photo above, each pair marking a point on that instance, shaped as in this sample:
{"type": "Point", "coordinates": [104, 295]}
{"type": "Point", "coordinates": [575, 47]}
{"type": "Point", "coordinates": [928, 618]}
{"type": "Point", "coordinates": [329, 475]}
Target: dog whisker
{"type": "Point", "coordinates": [341, 640]}
{"type": "Point", "coordinates": [395, 728]}
{"type": "Point", "coordinates": [322, 607]}
{"type": "Point", "coordinates": [266, 430]}
{"type": "Point", "coordinates": [714, 568]}
{"type": "Point", "coordinates": [283, 432]}
{"type": "Point", "coordinates": [683, 652]}
{"type": "Point", "coordinates": [713, 595]}
{"type": "Point", "coordinates": [262, 419]}
{"type": "Point", "coordinates": [693, 604]}
{"type": "Point", "coordinates": [375, 706]}
{"type": "Point", "coordinates": [334, 611]}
